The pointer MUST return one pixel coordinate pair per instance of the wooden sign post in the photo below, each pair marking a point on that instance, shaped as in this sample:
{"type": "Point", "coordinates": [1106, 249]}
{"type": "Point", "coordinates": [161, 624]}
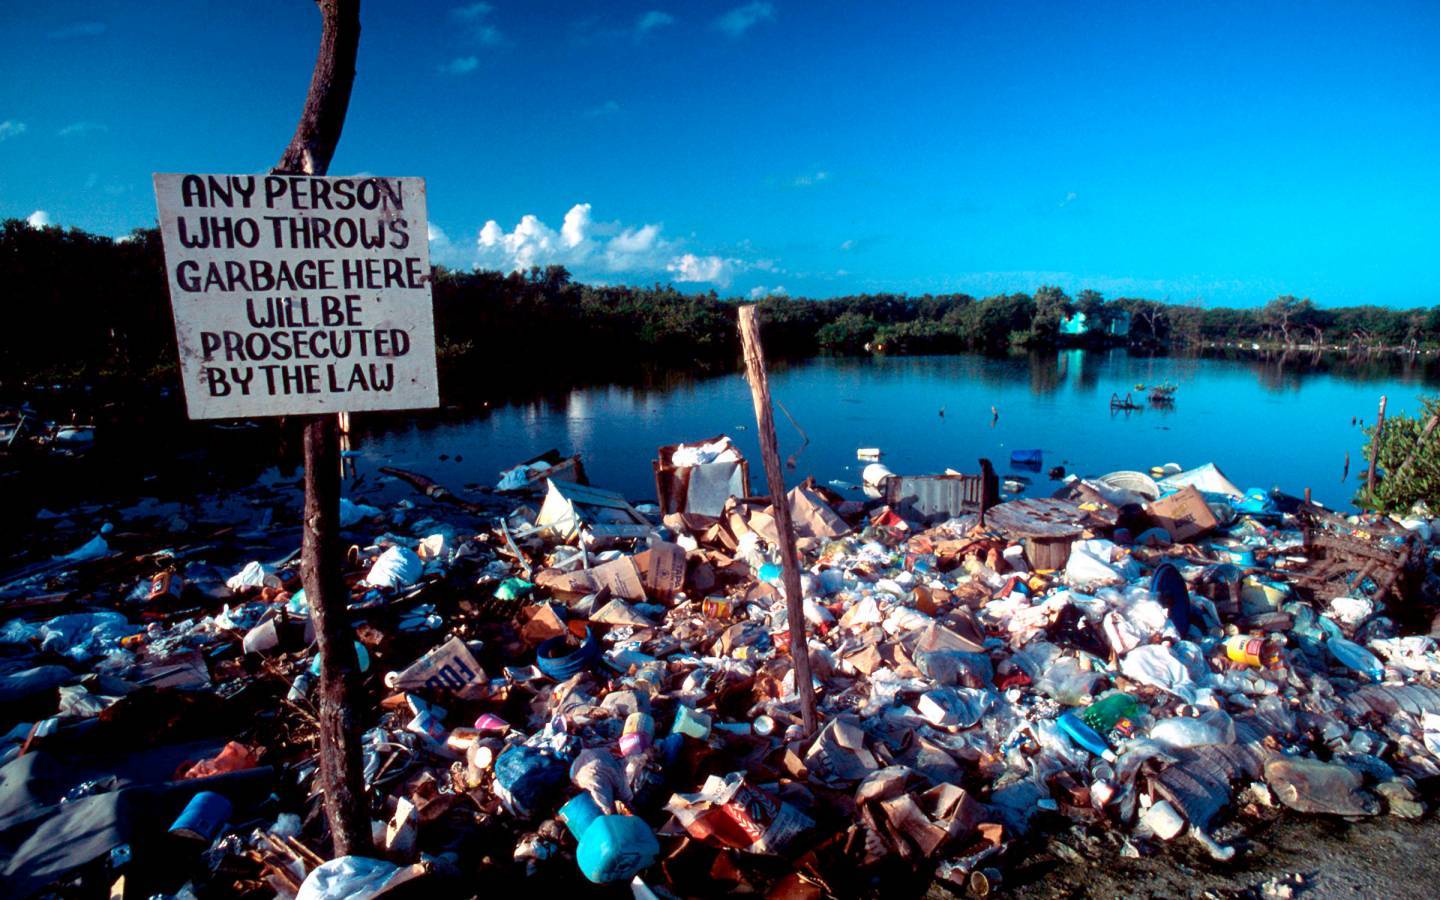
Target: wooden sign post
{"type": "Point", "coordinates": [300, 294]}
{"type": "Point", "coordinates": [775, 477]}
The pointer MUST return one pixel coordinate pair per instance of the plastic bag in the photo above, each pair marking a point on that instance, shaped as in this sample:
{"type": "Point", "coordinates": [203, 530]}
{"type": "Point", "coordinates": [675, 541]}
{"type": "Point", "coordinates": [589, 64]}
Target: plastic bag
{"type": "Point", "coordinates": [395, 568]}
{"type": "Point", "coordinates": [1156, 666]}
{"type": "Point", "coordinates": [955, 707]}
{"type": "Point", "coordinates": [1211, 727]}
{"type": "Point", "coordinates": [1090, 564]}
{"type": "Point", "coordinates": [528, 780]}
{"type": "Point", "coordinates": [1312, 786]}
{"type": "Point", "coordinates": [1067, 683]}
{"type": "Point", "coordinates": [254, 575]}
{"type": "Point", "coordinates": [352, 513]}
{"type": "Point", "coordinates": [353, 878]}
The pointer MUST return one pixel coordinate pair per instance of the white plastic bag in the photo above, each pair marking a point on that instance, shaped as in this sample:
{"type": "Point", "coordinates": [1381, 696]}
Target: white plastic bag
{"type": "Point", "coordinates": [395, 568]}
{"type": "Point", "coordinates": [1155, 665]}
{"type": "Point", "coordinates": [353, 878]}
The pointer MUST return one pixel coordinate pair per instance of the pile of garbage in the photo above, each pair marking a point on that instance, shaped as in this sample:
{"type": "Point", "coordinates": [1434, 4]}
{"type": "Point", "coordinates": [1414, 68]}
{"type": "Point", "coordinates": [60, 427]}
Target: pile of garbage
{"type": "Point", "coordinates": [571, 687]}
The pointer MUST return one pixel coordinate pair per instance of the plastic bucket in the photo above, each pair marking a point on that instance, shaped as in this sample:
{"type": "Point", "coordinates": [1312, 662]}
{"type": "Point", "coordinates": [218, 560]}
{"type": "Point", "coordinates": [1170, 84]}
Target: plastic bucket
{"type": "Point", "coordinates": [203, 817]}
{"type": "Point", "coordinates": [559, 665]}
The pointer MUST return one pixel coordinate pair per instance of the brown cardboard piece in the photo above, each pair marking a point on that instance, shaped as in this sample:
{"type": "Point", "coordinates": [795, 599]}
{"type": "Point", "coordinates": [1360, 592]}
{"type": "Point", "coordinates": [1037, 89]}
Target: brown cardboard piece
{"type": "Point", "coordinates": [544, 624]}
{"type": "Point", "coordinates": [662, 570]}
{"type": "Point", "coordinates": [617, 612]}
{"type": "Point", "coordinates": [1184, 514]}
{"type": "Point", "coordinates": [622, 578]}
{"type": "Point", "coordinates": [812, 517]}
{"type": "Point", "coordinates": [657, 573]}
{"type": "Point", "coordinates": [839, 754]}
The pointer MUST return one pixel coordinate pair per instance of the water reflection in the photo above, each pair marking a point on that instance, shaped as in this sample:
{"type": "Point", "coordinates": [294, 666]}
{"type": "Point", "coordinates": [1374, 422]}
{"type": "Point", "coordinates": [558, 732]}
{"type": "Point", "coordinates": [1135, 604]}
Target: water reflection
{"type": "Point", "coordinates": [1243, 412]}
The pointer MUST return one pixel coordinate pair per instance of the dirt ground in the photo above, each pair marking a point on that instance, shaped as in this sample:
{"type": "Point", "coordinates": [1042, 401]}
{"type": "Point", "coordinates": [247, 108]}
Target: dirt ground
{"type": "Point", "coordinates": [1316, 857]}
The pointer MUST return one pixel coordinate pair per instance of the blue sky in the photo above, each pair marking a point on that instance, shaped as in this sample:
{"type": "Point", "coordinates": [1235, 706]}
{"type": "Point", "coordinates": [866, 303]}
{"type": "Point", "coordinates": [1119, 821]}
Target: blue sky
{"type": "Point", "coordinates": [1221, 151]}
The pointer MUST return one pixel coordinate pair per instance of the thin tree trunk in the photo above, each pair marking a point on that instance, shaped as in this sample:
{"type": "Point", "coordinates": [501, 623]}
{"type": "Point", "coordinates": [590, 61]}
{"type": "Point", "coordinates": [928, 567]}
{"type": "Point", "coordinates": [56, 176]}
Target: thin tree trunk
{"type": "Point", "coordinates": [342, 777]}
{"type": "Point", "coordinates": [1375, 441]}
{"type": "Point", "coordinates": [323, 117]}
{"type": "Point", "coordinates": [775, 477]}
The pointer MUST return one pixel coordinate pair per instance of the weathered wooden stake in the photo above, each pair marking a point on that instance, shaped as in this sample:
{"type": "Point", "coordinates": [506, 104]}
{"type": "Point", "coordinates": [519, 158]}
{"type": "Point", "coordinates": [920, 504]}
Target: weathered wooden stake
{"type": "Point", "coordinates": [1375, 439]}
{"type": "Point", "coordinates": [342, 774]}
{"type": "Point", "coordinates": [784, 528]}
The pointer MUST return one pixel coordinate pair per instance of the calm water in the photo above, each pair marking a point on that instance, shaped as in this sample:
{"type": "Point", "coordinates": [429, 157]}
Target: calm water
{"type": "Point", "coordinates": [1265, 424]}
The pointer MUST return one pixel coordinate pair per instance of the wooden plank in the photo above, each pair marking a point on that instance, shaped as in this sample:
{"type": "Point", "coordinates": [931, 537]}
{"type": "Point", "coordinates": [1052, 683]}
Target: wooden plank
{"type": "Point", "coordinates": [1037, 517]}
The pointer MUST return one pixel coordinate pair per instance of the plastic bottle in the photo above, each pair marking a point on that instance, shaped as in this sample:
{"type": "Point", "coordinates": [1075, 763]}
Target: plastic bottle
{"type": "Point", "coordinates": [611, 848]}
{"type": "Point", "coordinates": [1084, 736]}
{"type": "Point", "coordinates": [361, 655]}
{"type": "Point", "coordinates": [300, 687]}
{"type": "Point", "coordinates": [1350, 654]}
{"type": "Point", "coordinates": [1103, 714]}
{"type": "Point", "coordinates": [639, 733]}
{"type": "Point", "coordinates": [1255, 652]}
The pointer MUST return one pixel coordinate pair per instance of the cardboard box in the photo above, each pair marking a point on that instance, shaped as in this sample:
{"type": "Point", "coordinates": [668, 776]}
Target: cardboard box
{"type": "Point", "coordinates": [1184, 514]}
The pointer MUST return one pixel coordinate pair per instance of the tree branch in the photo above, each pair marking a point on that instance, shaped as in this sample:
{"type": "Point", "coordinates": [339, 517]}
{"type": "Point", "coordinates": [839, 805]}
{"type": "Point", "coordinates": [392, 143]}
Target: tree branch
{"type": "Point", "coordinates": [323, 117]}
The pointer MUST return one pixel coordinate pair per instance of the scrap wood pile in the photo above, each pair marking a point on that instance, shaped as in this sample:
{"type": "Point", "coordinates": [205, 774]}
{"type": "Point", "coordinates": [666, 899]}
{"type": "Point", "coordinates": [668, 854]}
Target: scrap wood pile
{"type": "Point", "coordinates": [572, 687]}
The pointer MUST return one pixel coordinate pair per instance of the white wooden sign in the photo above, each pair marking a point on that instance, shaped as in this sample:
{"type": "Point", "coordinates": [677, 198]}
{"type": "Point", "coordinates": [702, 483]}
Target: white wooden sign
{"type": "Point", "coordinates": [297, 294]}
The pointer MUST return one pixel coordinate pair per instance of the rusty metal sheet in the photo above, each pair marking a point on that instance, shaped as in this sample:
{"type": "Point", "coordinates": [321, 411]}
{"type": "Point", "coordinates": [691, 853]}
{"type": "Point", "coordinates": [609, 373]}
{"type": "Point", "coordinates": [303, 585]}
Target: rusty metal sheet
{"type": "Point", "coordinates": [933, 495]}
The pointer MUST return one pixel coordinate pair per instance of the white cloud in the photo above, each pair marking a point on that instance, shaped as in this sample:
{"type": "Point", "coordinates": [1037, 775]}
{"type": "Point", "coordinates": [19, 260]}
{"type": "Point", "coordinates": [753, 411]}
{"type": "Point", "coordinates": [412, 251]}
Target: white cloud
{"type": "Point", "coordinates": [577, 221]}
{"type": "Point", "coordinates": [79, 30]}
{"type": "Point", "coordinates": [589, 249]}
{"type": "Point", "coordinates": [39, 219]}
{"type": "Point", "coordinates": [474, 14]}
{"type": "Point", "coordinates": [443, 251]}
{"type": "Point", "coordinates": [651, 20]}
{"type": "Point", "coordinates": [461, 65]}
{"type": "Point", "coordinates": [848, 244]}
{"type": "Point", "coordinates": [10, 128]}
{"type": "Point", "coordinates": [811, 179]}
{"type": "Point", "coordinates": [608, 108]}
{"type": "Point", "coordinates": [742, 18]}
{"type": "Point", "coordinates": [760, 292]}
{"type": "Point", "coordinates": [80, 129]}
{"type": "Point", "coordinates": [713, 269]}
{"type": "Point", "coordinates": [1070, 197]}
{"type": "Point", "coordinates": [471, 11]}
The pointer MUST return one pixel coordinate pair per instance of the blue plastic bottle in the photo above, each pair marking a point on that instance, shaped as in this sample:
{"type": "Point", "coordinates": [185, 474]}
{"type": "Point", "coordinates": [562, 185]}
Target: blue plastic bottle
{"type": "Point", "coordinates": [1074, 727]}
{"type": "Point", "coordinates": [612, 848]}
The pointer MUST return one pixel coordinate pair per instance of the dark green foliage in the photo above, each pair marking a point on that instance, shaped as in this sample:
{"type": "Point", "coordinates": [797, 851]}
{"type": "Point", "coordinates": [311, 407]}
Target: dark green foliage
{"type": "Point", "coordinates": [1401, 485]}
{"type": "Point", "coordinates": [86, 308]}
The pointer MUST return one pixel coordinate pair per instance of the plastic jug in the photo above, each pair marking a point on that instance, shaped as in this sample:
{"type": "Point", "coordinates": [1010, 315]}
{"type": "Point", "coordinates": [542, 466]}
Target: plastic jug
{"type": "Point", "coordinates": [611, 848]}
